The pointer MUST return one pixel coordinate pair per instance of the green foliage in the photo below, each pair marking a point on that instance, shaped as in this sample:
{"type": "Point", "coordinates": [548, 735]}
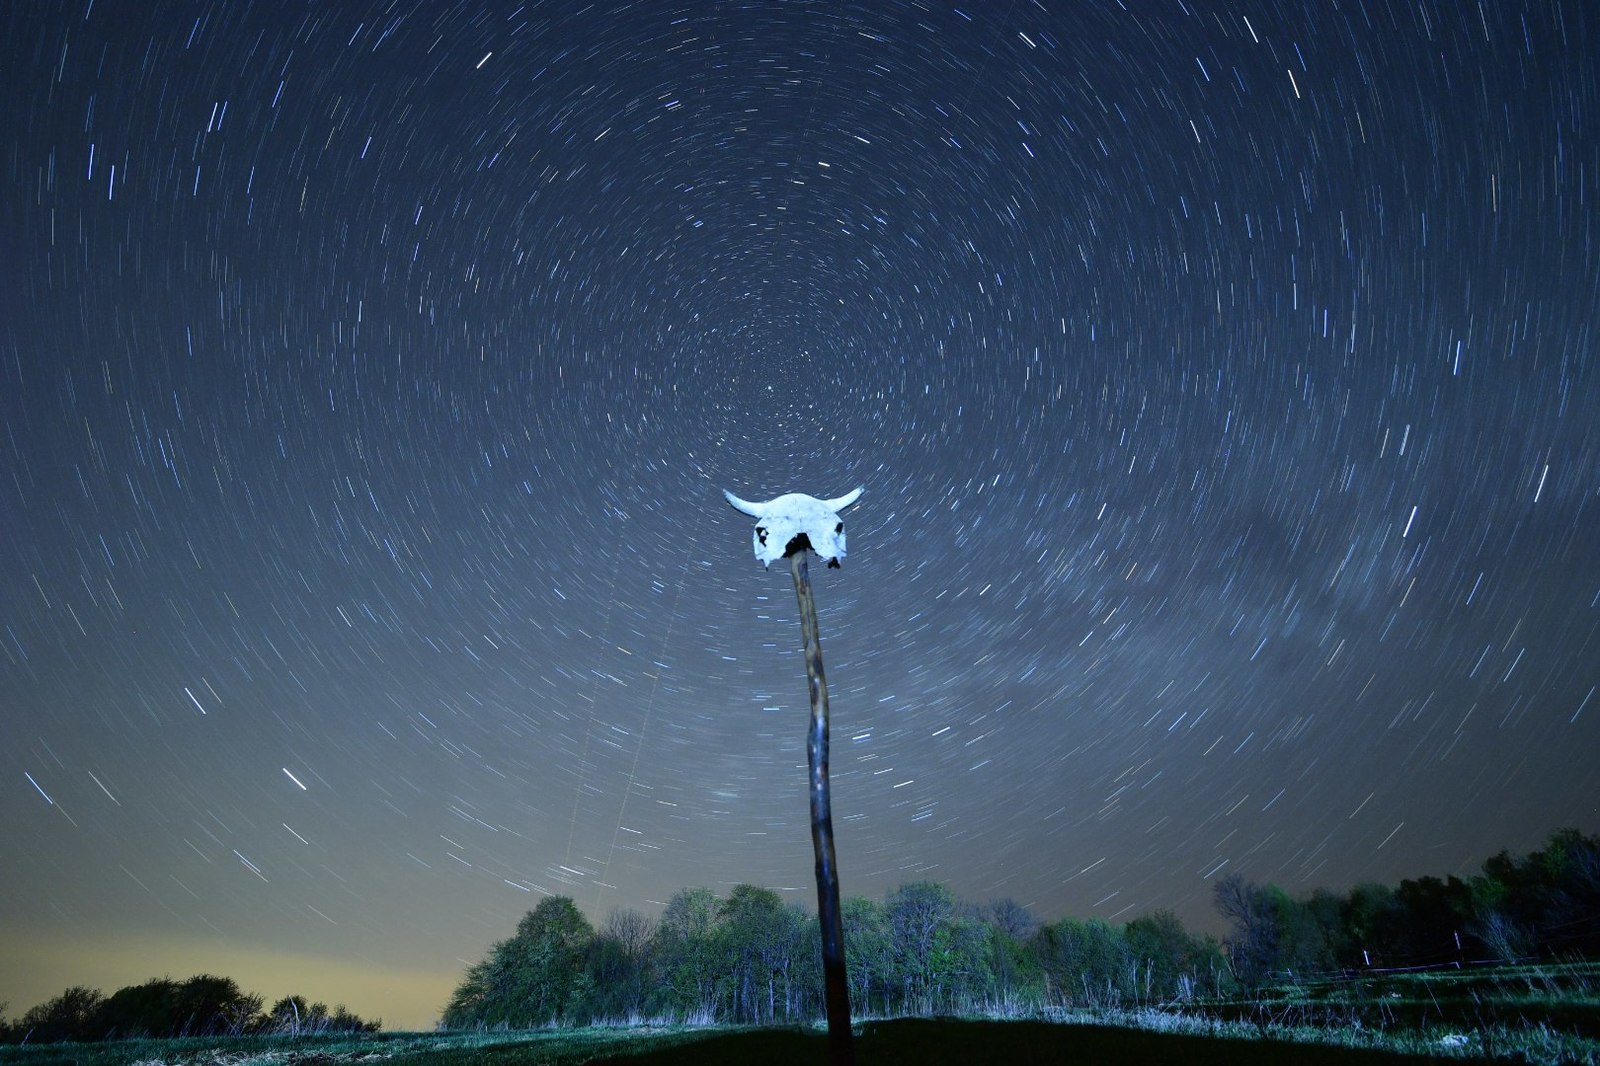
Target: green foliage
{"type": "Point", "coordinates": [1170, 963]}
{"type": "Point", "coordinates": [616, 977]}
{"type": "Point", "coordinates": [684, 954]}
{"type": "Point", "coordinates": [530, 979]}
{"type": "Point", "coordinates": [917, 912]}
{"type": "Point", "coordinates": [1372, 918]}
{"type": "Point", "coordinates": [1303, 937]}
{"type": "Point", "coordinates": [869, 954]}
{"type": "Point", "coordinates": [960, 968]}
{"type": "Point", "coordinates": [759, 940]}
{"type": "Point", "coordinates": [1017, 979]}
{"type": "Point", "coordinates": [1085, 963]}
{"type": "Point", "coordinates": [1550, 899]}
{"type": "Point", "coordinates": [753, 958]}
{"type": "Point", "coordinates": [618, 972]}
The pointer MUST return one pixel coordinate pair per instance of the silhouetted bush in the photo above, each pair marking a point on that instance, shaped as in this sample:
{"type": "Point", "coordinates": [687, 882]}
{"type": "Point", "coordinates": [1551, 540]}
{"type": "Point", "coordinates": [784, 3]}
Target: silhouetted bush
{"type": "Point", "coordinates": [204, 1005]}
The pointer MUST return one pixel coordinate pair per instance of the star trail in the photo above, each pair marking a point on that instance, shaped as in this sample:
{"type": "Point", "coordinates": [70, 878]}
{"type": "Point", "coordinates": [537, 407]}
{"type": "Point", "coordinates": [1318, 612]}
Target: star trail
{"type": "Point", "coordinates": [1222, 380]}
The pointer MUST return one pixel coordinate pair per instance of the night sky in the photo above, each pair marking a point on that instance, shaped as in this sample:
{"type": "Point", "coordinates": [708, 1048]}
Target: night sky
{"type": "Point", "coordinates": [1222, 379]}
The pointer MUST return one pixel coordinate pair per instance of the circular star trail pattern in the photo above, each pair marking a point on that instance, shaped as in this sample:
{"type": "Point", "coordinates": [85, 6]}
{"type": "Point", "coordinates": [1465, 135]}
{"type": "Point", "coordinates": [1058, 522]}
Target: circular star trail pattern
{"type": "Point", "coordinates": [1221, 378]}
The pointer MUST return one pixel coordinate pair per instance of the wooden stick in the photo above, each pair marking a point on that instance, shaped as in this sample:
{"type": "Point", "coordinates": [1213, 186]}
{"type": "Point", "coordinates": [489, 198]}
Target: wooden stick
{"type": "Point", "coordinates": [836, 992]}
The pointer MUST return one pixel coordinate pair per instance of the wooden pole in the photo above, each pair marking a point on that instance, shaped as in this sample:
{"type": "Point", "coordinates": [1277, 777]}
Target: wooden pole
{"type": "Point", "coordinates": [836, 992]}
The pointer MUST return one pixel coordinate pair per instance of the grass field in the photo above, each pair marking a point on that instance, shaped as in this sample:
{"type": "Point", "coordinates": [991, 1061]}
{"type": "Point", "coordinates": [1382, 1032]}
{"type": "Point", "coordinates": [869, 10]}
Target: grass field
{"type": "Point", "coordinates": [1496, 1009]}
{"type": "Point", "coordinates": [1534, 1014]}
{"type": "Point", "coordinates": [907, 1041]}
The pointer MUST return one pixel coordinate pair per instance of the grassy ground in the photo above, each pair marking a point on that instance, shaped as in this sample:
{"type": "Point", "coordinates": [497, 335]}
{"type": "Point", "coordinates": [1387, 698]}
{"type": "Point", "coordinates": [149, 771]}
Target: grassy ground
{"type": "Point", "coordinates": [1544, 1014]}
{"type": "Point", "coordinates": [1495, 1007]}
{"type": "Point", "coordinates": [922, 1041]}
{"type": "Point", "coordinates": [897, 1042]}
{"type": "Point", "coordinates": [908, 1041]}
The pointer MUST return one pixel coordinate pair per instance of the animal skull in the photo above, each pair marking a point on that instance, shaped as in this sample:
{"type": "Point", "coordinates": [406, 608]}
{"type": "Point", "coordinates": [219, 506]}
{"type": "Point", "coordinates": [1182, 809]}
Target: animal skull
{"type": "Point", "coordinates": [794, 522]}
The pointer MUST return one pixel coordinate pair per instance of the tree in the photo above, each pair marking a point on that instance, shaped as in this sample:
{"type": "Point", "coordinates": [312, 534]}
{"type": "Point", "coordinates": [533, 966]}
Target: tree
{"type": "Point", "coordinates": [149, 1009]}
{"type": "Point", "coordinates": [293, 1016]}
{"type": "Point", "coordinates": [1571, 915]}
{"type": "Point", "coordinates": [530, 979]}
{"type": "Point", "coordinates": [471, 1001]}
{"type": "Point", "coordinates": [960, 969]}
{"type": "Point", "coordinates": [683, 953]}
{"type": "Point", "coordinates": [917, 911]}
{"type": "Point", "coordinates": [1303, 946]}
{"type": "Point", "coordinates": [608, 980]}
{"type": "Point", "coordinates": [70, 1016]}
{"type": "Point", "coordinates": [1556, 893]}
{"type": "Point", "coordinates": [617, 966]}
{"type": "Point", "coordinates": [1017, 977]}
{"type": "Point", "coordinates": [1327, 910]}
{"type": "Point", "coordinates": [1548, 901]}
{"type": "Point", "coordinates": [869, 952]}
{"type": "Point", "coordinates": [1434, 914]}
{"type": "Point", "coordinates": [203, 1005]}
{"type": "Point", "coordinates": [631, 929]}
{"type": "Point", "coordinates": [1253, 943]}
{"type": "Point", "coordinates": [1372, 921]}
{"type": "Point", "coordinates": [1011, 918]}
{"type": "Point", "coordinates": [344, 1020]}
{"type": "Point", "coordinates": [1165, 956]}
{"type": "Point", "coordinates": [1084, 963]}
{"type": "Point", "coordinates": [757, 937]}
{"type": "Point", "coordinates": [206, 1005]}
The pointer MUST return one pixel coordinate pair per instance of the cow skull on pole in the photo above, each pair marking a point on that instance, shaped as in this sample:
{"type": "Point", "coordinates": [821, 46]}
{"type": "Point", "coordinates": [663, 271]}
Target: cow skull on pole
{"type": "Point", "coordinates": [795, 526]}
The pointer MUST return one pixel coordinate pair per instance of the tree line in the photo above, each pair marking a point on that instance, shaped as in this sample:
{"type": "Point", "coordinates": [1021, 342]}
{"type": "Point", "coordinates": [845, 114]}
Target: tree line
{"type": "Point", "coordinates": [1543, 905]}
{"type": "Point", "coordinates": [161, 1007]}
{"type": "Point", "coordinates": [750, 957]}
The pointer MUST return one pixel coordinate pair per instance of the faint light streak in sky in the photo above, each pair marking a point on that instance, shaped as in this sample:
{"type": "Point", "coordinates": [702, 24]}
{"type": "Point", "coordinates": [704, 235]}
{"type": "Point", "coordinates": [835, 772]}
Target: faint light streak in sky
{"type": "Point", "coordinates": [41, 791]}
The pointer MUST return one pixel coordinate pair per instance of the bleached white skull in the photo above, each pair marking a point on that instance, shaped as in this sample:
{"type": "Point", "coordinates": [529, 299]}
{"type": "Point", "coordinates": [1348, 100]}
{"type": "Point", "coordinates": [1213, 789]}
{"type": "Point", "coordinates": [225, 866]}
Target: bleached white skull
{"type": "Point", "coordinates": [782, 521]}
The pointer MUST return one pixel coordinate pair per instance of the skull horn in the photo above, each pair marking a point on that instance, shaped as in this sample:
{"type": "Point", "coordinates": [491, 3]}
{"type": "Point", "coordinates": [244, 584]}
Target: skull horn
{"type": "Point", "coordinates": [754, 510]}
{"type": "Point", "coordinates": [841, 502]}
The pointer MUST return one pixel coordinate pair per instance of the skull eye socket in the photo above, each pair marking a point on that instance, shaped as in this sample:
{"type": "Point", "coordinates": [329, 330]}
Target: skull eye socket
{"type": "Point", "coordinates": [761, 535]}
{"type": "Point", "coordinates": [839, 528]}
